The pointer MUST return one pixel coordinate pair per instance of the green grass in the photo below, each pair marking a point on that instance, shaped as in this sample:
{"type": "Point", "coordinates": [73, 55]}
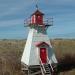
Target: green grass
{"type": "Point", "coordinates": [11, 52]}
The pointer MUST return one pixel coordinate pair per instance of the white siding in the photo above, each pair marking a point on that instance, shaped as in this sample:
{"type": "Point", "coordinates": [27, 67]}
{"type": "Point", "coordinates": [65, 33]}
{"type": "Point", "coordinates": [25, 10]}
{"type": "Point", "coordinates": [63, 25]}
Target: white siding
{"type": "Point", "coordinates": [30, 55]}
{"type": "Point", "coordinates": [27, 49]}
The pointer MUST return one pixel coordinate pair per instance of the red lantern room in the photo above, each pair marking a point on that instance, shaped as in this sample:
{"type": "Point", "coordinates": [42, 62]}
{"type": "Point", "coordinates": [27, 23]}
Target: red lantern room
{"type": "Point", "coordinates": [37, 18]}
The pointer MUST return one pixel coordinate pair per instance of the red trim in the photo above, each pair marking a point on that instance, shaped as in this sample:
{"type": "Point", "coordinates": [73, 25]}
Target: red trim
{"type": "Point", "coordinates": [42, 43]}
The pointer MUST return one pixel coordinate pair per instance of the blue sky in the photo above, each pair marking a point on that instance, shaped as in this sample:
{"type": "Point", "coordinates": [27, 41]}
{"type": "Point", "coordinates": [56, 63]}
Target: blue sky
{"type": "Point", "coordinates": [14, 12]}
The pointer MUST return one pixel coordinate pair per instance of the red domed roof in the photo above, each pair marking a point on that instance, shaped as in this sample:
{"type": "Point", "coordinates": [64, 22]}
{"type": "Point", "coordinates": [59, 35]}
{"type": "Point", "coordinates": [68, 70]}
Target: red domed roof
{"type": "Point", "coordinates": [37, 12]}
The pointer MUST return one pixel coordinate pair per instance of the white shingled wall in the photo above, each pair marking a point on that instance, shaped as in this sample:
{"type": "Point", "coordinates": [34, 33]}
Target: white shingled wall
{"type": "Point", "coordinates": [30, 54]}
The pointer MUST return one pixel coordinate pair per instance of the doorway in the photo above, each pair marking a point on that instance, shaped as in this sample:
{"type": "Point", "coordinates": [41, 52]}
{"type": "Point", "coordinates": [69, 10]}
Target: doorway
{"type": "Point", "coordinates": [43, 55]}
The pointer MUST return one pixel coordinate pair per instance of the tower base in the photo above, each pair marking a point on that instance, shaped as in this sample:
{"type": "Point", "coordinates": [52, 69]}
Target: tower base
{"type": "Point", "coordinates": [31, 70]}
{"type": "Point", "coordinates": [36, 70]}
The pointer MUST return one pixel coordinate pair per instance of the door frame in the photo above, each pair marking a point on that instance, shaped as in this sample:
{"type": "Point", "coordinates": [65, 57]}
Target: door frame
{"type": "Point", "coordinates": [39, 52]}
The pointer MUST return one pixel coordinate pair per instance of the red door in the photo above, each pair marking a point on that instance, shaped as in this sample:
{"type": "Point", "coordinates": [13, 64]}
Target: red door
{"type": "Point", "coordinates": [43, 55]}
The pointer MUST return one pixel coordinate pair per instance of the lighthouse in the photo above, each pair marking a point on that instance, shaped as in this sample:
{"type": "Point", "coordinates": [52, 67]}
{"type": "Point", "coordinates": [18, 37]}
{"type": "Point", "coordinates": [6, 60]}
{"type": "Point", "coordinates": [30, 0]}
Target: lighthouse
{"type": "Point", "coordinates": [38, 55]}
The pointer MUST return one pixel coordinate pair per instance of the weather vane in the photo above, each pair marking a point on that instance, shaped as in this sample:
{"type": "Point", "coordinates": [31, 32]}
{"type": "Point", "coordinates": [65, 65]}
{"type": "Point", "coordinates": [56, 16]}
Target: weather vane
{"type": "Point", "coordinates": [36, 1]}
{"type": "Point", "coordinates": [36, 6]}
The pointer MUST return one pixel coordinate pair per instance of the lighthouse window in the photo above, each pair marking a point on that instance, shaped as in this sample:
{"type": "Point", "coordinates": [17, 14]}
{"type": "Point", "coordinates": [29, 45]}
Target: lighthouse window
{"type": "Point", "coordinates": [39, 17]}
{"type": "Point", "coordinates": [39, 29]}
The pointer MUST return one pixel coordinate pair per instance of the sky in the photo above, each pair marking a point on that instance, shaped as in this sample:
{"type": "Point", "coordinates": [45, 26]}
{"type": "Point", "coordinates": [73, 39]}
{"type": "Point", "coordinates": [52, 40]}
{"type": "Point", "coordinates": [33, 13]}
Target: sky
{"type": "Point", "coordinates": [14, 12]}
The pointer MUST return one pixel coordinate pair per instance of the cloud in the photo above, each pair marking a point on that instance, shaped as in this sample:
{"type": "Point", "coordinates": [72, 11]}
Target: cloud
{"type": "Point", "coordinates": [10, 7]}
{"type": "Point", "coordinates": [11, 22]}
{"type": "Point", "coordinates": [60, 2]}
{"type": "Point", "coordinates": [13, 13]}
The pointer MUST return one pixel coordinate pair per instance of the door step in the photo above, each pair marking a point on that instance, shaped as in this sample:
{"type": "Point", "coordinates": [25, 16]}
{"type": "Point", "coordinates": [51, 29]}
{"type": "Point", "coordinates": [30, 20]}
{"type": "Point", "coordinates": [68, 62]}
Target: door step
{"type": "Point", "coordinates": [47, 69]}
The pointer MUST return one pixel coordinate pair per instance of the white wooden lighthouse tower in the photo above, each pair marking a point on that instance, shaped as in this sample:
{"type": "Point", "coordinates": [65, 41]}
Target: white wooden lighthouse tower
{"type": "Point", "coordinates": [38, 56]}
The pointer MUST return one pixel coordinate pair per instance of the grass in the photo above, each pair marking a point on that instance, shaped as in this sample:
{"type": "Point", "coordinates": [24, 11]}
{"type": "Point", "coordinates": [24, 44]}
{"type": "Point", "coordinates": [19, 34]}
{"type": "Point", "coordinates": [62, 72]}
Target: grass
{"type": "Point", "coordinates": [65, 53]}
{"type": "Point", "coordinates": [63, 47]}
{"type": "Point", "coordinates": [11, 52]}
